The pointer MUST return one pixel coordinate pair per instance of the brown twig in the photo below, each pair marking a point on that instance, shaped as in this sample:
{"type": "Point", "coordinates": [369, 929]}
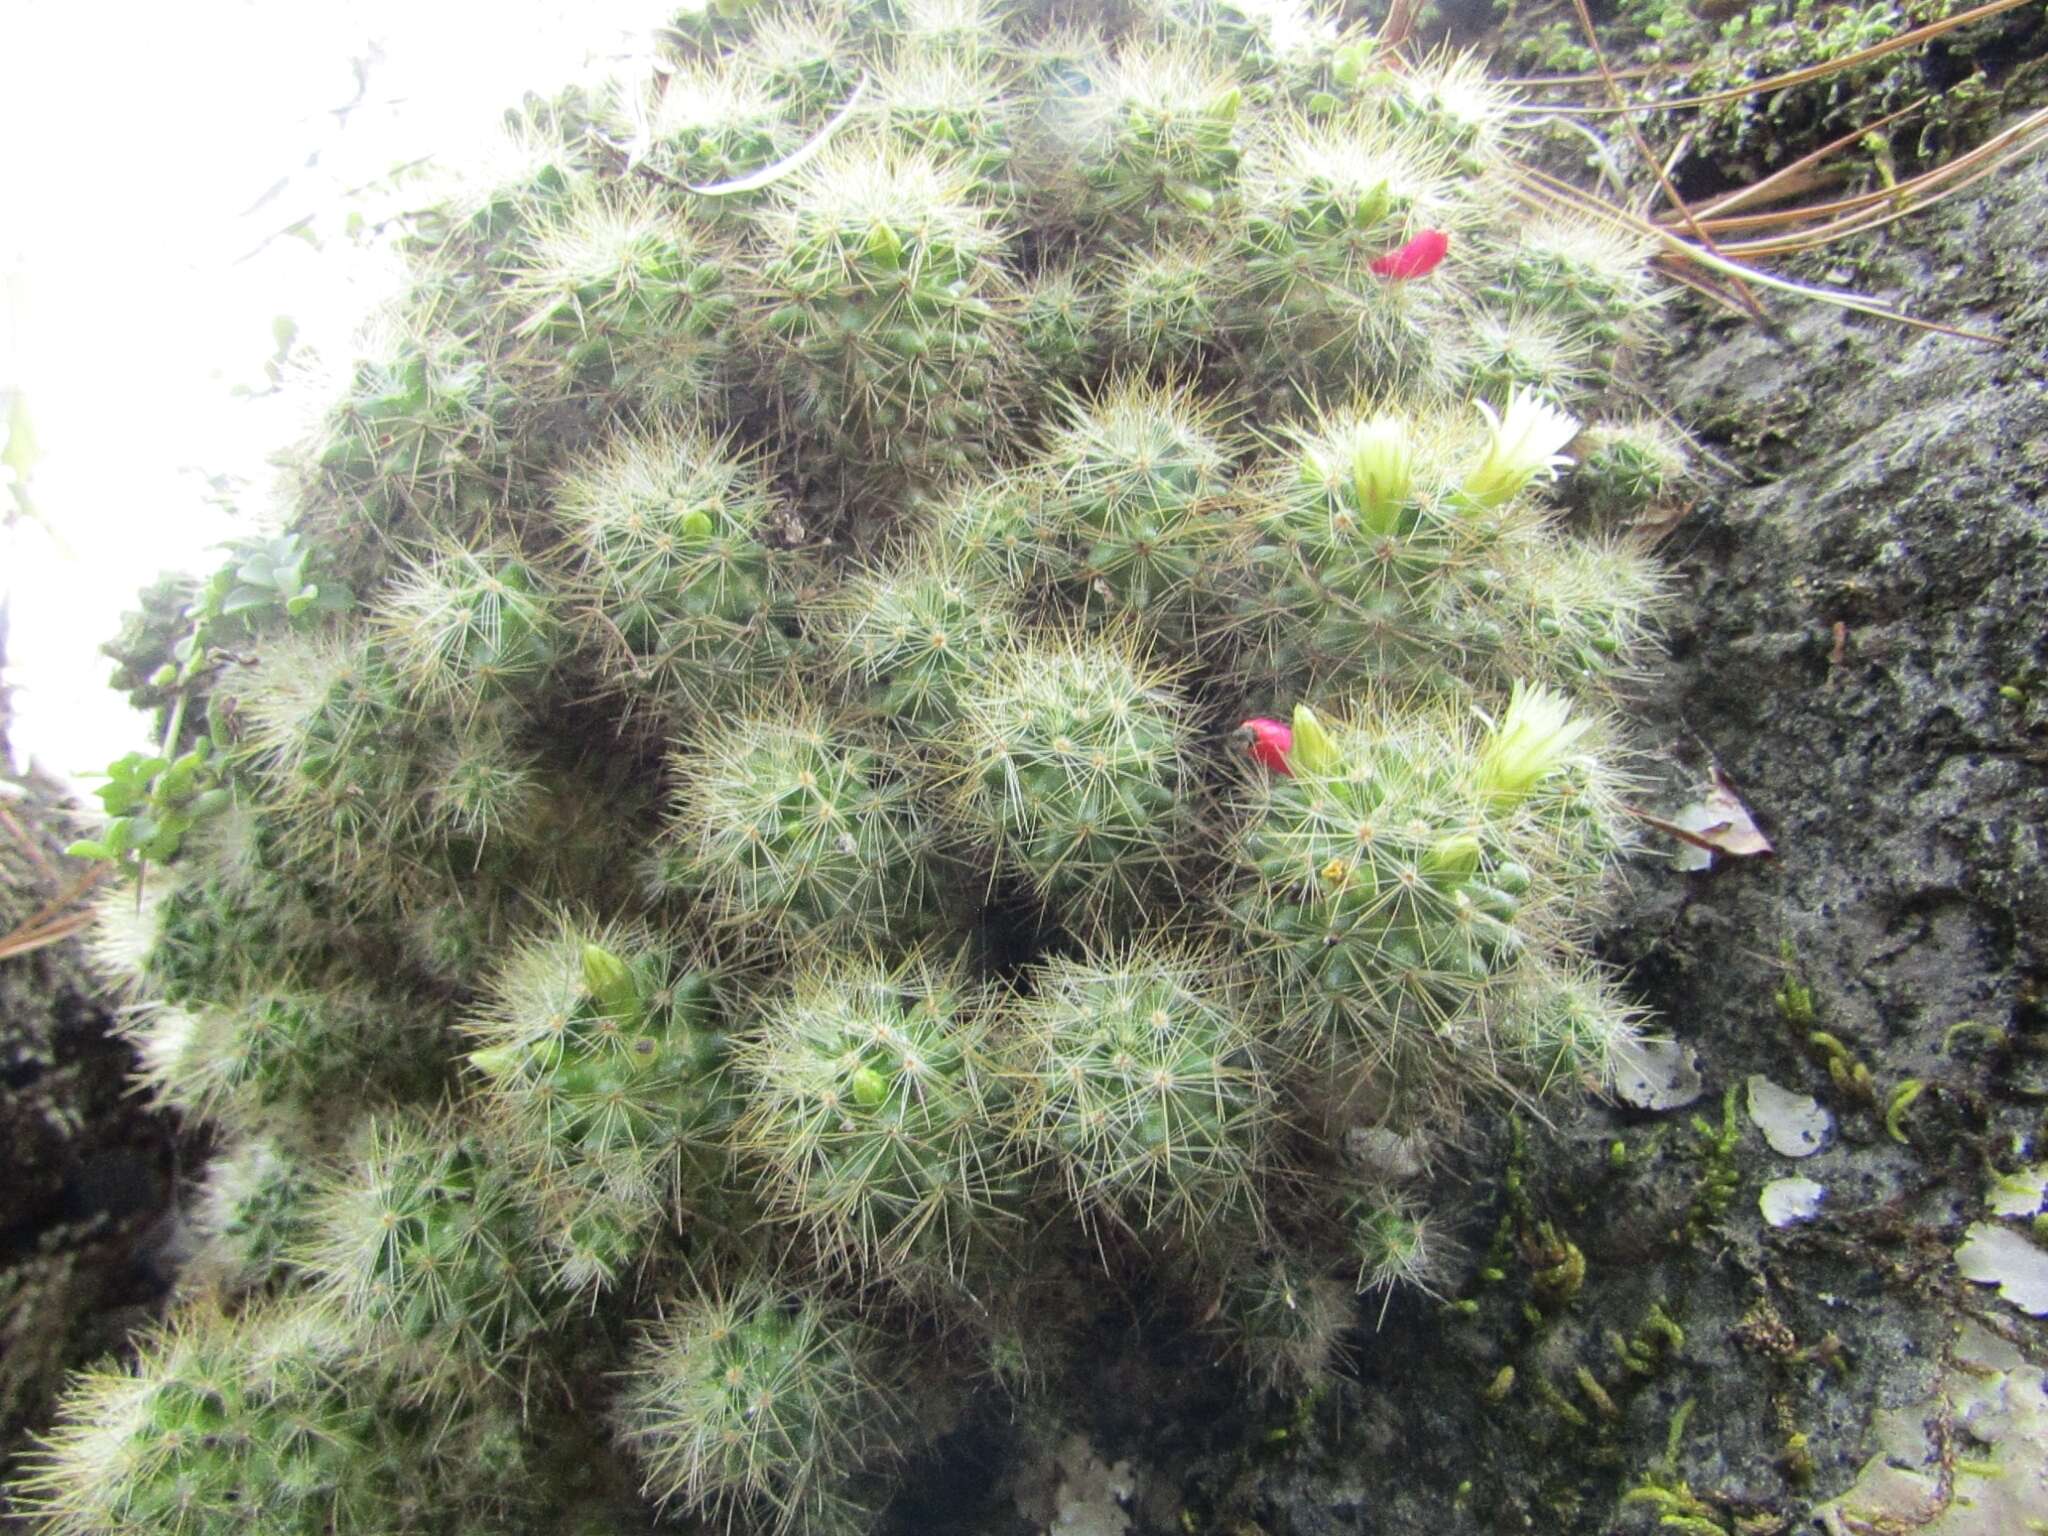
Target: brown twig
{"type": "Point", "coordinates": [50, 923]}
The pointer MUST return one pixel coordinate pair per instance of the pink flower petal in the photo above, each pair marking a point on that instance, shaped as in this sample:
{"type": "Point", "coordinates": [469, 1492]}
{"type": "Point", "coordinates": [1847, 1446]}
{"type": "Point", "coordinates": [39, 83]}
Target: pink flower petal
{"type": "Point", "coordinates": [1418, 258]}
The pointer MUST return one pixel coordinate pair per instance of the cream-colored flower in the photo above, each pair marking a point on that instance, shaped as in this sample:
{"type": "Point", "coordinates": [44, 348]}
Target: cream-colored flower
{"type": "Point", "coordinates": [1529, 742]}
{"type": "Point", "coordinates": [1382, 471]}
{"type": "Point", "coordinates": [1526, 440]}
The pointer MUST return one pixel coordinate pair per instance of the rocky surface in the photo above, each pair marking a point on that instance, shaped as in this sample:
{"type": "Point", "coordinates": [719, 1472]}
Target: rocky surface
{"type": "Point", "coordinates": [87, 1179]}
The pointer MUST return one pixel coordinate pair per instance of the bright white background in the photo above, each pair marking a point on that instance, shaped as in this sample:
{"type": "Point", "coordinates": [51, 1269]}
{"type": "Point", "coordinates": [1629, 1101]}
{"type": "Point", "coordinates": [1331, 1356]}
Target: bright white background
{"type": "Point", "coordinates": [154, 154]}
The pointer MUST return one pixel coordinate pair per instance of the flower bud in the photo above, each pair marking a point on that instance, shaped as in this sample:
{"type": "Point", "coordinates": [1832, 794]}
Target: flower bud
{"type": "Point", "coordinates": [1269, 742]}
{"type": "Point", "coordinates": [610, 982]}
{"type": "Point", "coordinates": [1418, 258]}
{"type": "Point", "coordinates": [1312, 749]}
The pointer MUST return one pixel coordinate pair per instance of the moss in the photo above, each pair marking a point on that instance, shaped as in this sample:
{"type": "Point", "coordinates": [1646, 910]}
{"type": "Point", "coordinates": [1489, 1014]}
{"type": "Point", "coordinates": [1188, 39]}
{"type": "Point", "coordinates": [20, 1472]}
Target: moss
{"type": "Point", "coordinates": [1963, 81]}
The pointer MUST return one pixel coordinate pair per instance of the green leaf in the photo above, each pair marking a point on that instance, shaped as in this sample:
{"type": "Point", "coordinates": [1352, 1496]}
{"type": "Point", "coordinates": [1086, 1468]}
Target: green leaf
{"type": "Point", "coordinates": [87, 848]}
{"type": "Point", "coordinates": [211, 802]}
{"type": "Point", "coordinates": [242, 599]}
{"type": "Point", "coordinates": [178, 781]}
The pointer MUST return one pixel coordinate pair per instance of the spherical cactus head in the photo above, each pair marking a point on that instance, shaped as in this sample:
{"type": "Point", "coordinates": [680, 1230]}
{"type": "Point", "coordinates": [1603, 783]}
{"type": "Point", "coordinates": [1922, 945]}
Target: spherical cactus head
{"type": "Point", "coordinates": [1284, 1319]}
{"type": "Point", "coordinates": [953, 103]}
{"type": "Point", "coordinates": [1630, 469]}
{"type": "Point", "coordinates": [254, 1212]}
{"type": "Point", "coordinates": [462, 626]}
{"type": "Point", "coordinates": [1573, 1026]}
{"type": "Point", "coordinates": [600, 1060]}
{"type": "Point", "coordinates": [1135, 479]}
{"type": "Point", "coordinates": [1353, 251]}
{"type": "Point", "coordinates": [1076, 773]}
{"type": "Point", "coordinates": [1396, 1244]}
{"type": "Point", "coordinates": [1157, 138]}
{"type": "Point", "coordinates": [792, 826]}
{"type": "Point", "coordinates": [423, 1238]}
{"type": "Point", "coordinates": [916, 632]}
{"type": "Point", "coordinates": [1355, 550]}
{"type": "Point", "coordinates": [877, 1117]}
{"type": "Point", "coordinates": [1168, 305]}
{"type": "Point", "coordinates": [1497, 354]}
{"type": "Point", "coordinates": [891, 315]}
{"type": "Point", "coordinates": [758, 1402]}
{"type": "Point", "coordinates": [801, 54]}
{"type": "Point", "coordinates": [217, 1427]}
{"type": "Point", "coordinates": [619, 298]}
{"type": "Point", "coordinates": [681, 589]}
{"type": "Point", "coordinates": [1449, 99]}
{"type": "Point", "coordinates": [1374, 901]}
{"type": "Point", "coordinates": [996, 531]}
{"type": "Point", "coordinates": [711, 124]}
{"type": "Point", "coordinates": [1145, 1085]}
{"type": "Point", "coordinates": [1591, 275]}
{"type": "Point", "coordinates": [1058, 322]}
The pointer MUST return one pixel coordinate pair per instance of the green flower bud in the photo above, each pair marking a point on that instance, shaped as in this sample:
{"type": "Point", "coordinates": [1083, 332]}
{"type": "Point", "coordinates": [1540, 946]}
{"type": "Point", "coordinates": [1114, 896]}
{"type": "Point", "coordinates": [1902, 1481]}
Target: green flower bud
{"type": "Point", "coordinates": [1313, 751]}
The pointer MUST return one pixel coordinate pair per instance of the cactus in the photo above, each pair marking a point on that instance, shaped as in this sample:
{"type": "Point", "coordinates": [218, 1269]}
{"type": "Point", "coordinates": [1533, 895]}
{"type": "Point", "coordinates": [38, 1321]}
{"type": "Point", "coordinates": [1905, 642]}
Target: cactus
{"type": "Point", "coordinates": [279, 1053]}
{"type": "Point", "coordinates": [796, 828]}
{"type": "Point", "coordinates": [420, 1237]}
{"type": "Point", "coordinates": [919, 633]}
{"type": "Point", "coordinates": [888, 314]}
{"type": "Point", "coordinates": [1135, 476]}
{"type": "Point", "coordinates": [1326, 203]}
{"type": "Point", "coordinates": [726, 871]}
{"type": "Point", "coordinates": [878, 1116]}
{"type": "Point", "coordinates": [1396, 876]}
{"type": "Point", "coordinates": [266, 1423]}
{"type": "Point", "coordinates": [1168, 305]}
{"type": "Point", "coordinates": [1073, 756]}
{"type": "Point", "coordinates": [1629, 467]}
{"type": "Point", "coordinates": [1284, 1319]}
{"type": "Point", "coordinates": [1144, 1086]}
{"type": "Point", "coordinates": [1157, 140]}
{"type": "Point", "coordinates": [758, 1403]}
{"type": "Point", "coordinates": [603, 1065]}
{"type": "Point", "coordinates": [676, 585]}
{"type": "Point", "coordinates": [255, 1212]}
{"type": "Point", "coordinates": [1395, 1243]}
{"type": "Point", "coordinates": [620, 299]}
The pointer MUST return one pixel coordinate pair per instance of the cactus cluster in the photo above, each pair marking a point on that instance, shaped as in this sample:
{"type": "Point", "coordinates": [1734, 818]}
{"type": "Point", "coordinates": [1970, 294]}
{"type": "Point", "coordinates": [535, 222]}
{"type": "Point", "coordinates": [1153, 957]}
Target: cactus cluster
{"type": "Point", "coordinates": [760, 892]}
